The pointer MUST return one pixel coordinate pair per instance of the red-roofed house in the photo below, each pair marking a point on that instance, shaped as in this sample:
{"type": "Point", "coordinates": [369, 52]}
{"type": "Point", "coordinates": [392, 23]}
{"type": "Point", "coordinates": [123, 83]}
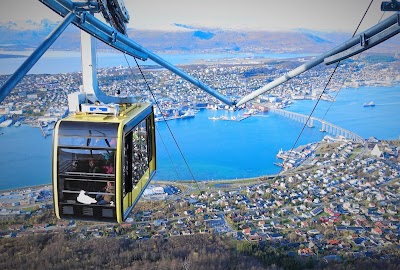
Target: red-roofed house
{"type": "Point", "coordinates": [376, 230]}
{"type": "Point", "coordinates": [333, 242]}
{"type": "Point", "coordinates": [246, 231]}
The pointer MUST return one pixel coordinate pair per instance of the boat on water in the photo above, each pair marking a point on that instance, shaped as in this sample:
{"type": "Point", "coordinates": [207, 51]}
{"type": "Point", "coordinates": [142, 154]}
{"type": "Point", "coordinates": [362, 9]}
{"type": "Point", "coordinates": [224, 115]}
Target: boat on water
{"type": "Point", "coordinates": [201, 105]}
{"type": "Point", "coordinates": [46, 127]}
{"type": "Point", "coordinates": [278, 164]}
{"type": "Point", "coordinates": [369, 104]}
{"type": "Point", "coordinates": [177, 115]}
{"type": "Point", "coordinates": [17, 124]}
{"type": "Point", "coordinates": [226, 118]}
{"type": "Point", "coordinates": [287, 154]}
{"type": "Point", "coordinates": [160, 119]}
{"type": "Point", "coordinates": [250, 112]}
{"type": "Point", "coordinates": [280, 154]}
{"type": "Point", "coordinates": [6, 123]}
{"type": "Point", "coordinates": [212, 107]}
{"type": "Point", "coordinates": [188, 114]}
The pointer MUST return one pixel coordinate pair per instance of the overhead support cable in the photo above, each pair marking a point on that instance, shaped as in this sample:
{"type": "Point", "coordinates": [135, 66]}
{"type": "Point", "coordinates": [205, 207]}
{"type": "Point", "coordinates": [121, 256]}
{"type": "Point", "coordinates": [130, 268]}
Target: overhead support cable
{"type": "Point", "coordinates": [366, 40]}
{"type": "Point", "coordinates": [320, 96]}
{"type": "Point", "coordinates": [159, 108]}
{"type": "Point", "coordinates": [166, 123]}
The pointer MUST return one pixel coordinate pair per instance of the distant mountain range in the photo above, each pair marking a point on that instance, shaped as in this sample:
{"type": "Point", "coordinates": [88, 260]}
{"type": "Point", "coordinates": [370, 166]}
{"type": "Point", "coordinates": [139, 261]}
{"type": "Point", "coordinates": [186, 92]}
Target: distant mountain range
{"type": "Point", "coordinates": [17, 36]}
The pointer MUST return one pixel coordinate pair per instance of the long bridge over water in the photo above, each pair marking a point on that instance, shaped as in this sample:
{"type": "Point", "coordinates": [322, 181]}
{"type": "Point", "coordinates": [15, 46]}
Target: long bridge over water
{"type": "Point", "coordinates": [325, 126]}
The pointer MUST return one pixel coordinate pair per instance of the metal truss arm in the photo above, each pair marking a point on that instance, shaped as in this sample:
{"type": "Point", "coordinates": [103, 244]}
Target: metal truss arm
{"type": "Point", "coordinates": [87, 22]}
{"type": "Point", "coordinates": [115, 39]}
{"type": "Point", "coordinates": [14, 79]}
{"type": "Point", "coordinates": [366, 41]}
{"type": "Point", "coordinates": [369, 38]}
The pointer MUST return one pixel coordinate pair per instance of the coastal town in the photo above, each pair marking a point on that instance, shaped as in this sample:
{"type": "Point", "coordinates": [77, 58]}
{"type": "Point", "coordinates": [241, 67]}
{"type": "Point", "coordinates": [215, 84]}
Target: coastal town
{"type": "Point", "coordinates": [39, 100]}
{"type": "Point", "coordinates": [340, 200]}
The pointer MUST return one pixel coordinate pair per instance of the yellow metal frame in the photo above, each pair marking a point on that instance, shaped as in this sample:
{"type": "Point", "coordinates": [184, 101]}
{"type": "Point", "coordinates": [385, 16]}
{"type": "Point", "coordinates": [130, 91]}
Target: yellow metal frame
{"type": "Point", "coordinates": [55, 170]}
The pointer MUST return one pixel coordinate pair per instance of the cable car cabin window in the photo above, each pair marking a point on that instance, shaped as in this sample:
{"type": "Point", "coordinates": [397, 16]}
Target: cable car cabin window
{"type": "Point", "coordinates": [150, 139]}
{"type": "Point", "coordinates": [75, 161]}
{"type": "Point", "coordinates": [89, 179]}
{"type": "Point", "coordinates": [88, 140]}
{"type": "Point", "coordinates": [86, 171]}
{"type": "Point", "coordinates": [140, 159]}
{"type": "Point", "coordinates": [136, 155]}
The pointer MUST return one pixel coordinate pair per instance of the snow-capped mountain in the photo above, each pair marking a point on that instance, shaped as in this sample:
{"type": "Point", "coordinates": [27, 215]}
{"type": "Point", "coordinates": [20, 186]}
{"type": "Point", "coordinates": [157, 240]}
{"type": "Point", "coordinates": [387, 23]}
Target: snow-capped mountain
{"type": "Point", "coordinates": [30, 25]}
{"type": "Point", "coordinates": [23, 35]}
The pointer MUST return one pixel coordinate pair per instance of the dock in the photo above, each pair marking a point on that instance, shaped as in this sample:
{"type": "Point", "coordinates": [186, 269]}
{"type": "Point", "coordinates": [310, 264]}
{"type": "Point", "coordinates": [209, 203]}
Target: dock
{"type": "Point", "coordinates": [233, 118]}
{"type": "Point", "coordinates": [43, 132]}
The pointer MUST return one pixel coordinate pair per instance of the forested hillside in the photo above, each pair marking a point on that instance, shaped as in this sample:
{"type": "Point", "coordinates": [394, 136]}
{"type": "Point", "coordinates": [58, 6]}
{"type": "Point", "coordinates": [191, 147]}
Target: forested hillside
{"type": "Point", "coordinates": [201, 251]}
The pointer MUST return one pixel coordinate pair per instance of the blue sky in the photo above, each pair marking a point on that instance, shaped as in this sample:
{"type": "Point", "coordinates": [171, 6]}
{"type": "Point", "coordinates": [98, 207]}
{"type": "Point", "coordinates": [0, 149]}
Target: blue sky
{"type": "Point", "coordinates": [321, 15]}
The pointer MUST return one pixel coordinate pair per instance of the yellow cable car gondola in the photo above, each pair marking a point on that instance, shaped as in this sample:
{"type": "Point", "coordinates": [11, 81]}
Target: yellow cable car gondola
{"type": "Point", "coordinates": [102, 163]}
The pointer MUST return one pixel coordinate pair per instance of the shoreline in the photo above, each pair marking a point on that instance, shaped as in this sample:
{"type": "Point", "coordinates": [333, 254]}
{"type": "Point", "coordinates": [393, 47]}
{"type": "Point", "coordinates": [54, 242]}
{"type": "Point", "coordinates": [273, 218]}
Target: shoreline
{"type": "Point", "coordinates": [27, 187]}
{"type": "Point", "coordinates": [162, 182]}
{"type": "Point", "coordinates": [189, 181]}
{"type": "Point", "coordinates": [194, 182]}
{"type": "Point", "coordinates": [219, 181]}
{"type": "Point", "coordinates": [31, 121]}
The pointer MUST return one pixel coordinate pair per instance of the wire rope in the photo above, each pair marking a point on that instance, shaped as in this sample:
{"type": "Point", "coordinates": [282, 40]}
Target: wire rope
{"type": "Point", "coordinates": [341, 86]}
{"type": "Point", "coordinates": [320, 96]}
{"type": "Point", "coordinates": [158, 131]}
{"type": "Point", "coordinates": [169, 128]}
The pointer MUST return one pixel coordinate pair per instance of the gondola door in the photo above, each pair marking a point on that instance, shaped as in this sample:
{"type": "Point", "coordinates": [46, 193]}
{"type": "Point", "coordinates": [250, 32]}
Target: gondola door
{"type": "Point", "coordinates": [127, 173]}
{"type": "Point", "coordinates": [140, 159]}
{"type": "Point", "coordinates": [137, 152]}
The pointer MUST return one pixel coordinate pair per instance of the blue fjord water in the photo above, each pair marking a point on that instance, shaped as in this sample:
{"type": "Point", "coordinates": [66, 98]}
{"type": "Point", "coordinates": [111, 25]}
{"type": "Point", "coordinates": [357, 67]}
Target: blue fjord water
{"type": "Point", "coordinates": [218, 149]}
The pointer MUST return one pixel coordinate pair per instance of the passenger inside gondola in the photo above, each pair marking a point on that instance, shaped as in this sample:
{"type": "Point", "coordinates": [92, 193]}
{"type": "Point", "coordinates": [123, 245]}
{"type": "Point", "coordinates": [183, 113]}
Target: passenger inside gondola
{"type": "Point", "coordinates": [93, 166]}
{"type": "Point", "coordinates": [109, 168]}
{"type": "Point", "coordinates": [103, 199]}
{"type": "Point", "coordinates": [74, 167]}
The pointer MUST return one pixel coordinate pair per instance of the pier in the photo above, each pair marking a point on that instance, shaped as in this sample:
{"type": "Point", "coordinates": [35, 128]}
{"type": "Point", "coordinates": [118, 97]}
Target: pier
{"type": "Point", "coordinates": [325, 126]}
{"type": "Point", "coordinates": [233, 118]}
